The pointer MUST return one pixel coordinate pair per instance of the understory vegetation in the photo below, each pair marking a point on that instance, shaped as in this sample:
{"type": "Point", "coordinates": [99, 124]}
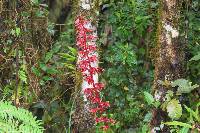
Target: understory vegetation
{"type": "Point", "coordinates": [39, 75]}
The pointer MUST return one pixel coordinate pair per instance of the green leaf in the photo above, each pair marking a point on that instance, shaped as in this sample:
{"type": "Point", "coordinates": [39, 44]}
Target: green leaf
{"type": "Point", "coordinates": [48, 56]}
{"type": "Point", "coordinates": [56, 48]}
{"type": "Point", "coordinates": [47, 78]}
{"type": "Point", "coordinates": [148, 117]}
{"type": "Point", "coordinates": [17, 31]}
{"type": "Point", "coordinates": [51, 71]}
{"type": "Point", "coordinates": [22, 76]}
{"type": "Point", "coordinates": [194, 114]}
{"type": "Point", "coordinates": [43, 67]}
{"type": "Point", "coordinates": [184, 86]}
{"type": "Point", "coordinates": [177, 123]}
{"type": "Point", "coordinates": [184, 130]}
{"type": "Point", "coordinates": [40, 104]}
{"type": "Point", "coordinates": [195, 58]}
{"type": "Point", "coordinates": [35, 1]}
{"type": "Point", "coordinates": [67, 56]}
{"type": "Point", "coordinates": [149, 98]}
{"type": "Point", "coordinates": [39, 13]}
{"type": "Point", "coordinates": [169, 95]}
{"type": "Point", "coordinates": [174, 109]}
{"type": "Point", "coordinates": [73, 50]}
{"type": "Point", "coordinates": [70, 66]}
{"type": "Point", "coordinates": [156, 104]}
{"type": "Point", "coordinates": [12, 32]}
{"type": "Point", "coordinates": [144, 129]}
{"type": "Point", "coordinates": [36, 71]}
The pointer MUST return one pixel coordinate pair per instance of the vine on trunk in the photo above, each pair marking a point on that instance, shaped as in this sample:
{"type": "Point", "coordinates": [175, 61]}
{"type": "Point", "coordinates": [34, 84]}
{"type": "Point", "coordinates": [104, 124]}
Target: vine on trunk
{"type": "Point", "coordinates": [85, 41]}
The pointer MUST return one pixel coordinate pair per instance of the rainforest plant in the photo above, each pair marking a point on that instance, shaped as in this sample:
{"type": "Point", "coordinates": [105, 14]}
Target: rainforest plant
{"type": "Point", "coordinates": [18, 120]}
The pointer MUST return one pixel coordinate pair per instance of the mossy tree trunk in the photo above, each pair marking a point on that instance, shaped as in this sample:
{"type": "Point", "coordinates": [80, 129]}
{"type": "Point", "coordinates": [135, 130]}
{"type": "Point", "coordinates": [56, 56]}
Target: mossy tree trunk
{"type": "Point", "coordinates": [83, 120]}
{"type": "Point", "coordinates": [169, 60]}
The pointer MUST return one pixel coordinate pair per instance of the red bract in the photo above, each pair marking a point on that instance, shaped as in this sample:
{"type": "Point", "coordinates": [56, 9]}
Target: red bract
{"type": "Point", "coordinates": [91, 47]}
{"type": "Point", "coordinates": [105, 127]}
{"type": "Point", "coordinates": [85, 41]}
{"type": "Point", "coordinates": [89, 79]}
{"type": "Point", "coordinates": [92, 70]}
{"type": "Point", "coordinates": [94, 110]}
{"type": "Point", "coordinates": [91, 37]}
{"type": "Point", "coordinates": [104, 104]}
{"type": "Point", "coordinates": [104, 119]}
{"type": "Point", "coordinates": [99, 86]}
{"type": "Point", "coordinates": [95, 100]}
{"type": "Point", "coordinates": [83, 54]}
{"type": "Point", "coordinates": [92, 58]}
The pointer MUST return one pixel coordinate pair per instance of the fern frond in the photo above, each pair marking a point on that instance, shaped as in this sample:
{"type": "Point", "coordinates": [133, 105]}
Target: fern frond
{"type": "Point", "coordinates": [18, 120]}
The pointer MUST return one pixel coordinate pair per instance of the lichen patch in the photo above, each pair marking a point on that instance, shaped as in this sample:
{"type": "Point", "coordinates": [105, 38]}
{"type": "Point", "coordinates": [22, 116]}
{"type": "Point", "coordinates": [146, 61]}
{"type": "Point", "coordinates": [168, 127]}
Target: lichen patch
{"type": "Point", "coordinates": [174, 32]}
{"type": "Point", "coordinates": [85, 4]}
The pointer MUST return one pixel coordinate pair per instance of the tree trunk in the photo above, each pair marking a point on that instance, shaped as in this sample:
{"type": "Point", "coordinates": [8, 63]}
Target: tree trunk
{"type": "Point", "coordinates": [83, 119]}
{"type": "Point", "coordinates": [169, 59]}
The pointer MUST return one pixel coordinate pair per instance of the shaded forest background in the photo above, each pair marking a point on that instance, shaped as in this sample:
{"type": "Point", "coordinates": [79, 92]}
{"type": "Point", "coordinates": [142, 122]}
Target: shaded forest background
{"type": "Point", "coordinates": [38, 62]}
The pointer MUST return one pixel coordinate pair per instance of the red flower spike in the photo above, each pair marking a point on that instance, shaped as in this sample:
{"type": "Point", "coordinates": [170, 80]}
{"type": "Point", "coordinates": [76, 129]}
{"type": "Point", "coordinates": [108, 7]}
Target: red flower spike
{"type": "Point", "coordinates": [85, 41]}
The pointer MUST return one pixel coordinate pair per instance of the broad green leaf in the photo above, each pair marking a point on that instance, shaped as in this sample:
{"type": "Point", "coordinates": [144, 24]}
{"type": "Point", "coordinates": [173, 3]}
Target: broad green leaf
{"type": "Point", "coordinates": [195, 58]}
{"type": "Point", "coordinates": [184, 86]}
{"type": "Point", "coordinates": [174, 109]}
{"type": "Point", "coordinates": [149, 98]}
{"type": "Point", "coordinates": [184, 130]}
{"type": "Point", "coordinates": [177, 123]}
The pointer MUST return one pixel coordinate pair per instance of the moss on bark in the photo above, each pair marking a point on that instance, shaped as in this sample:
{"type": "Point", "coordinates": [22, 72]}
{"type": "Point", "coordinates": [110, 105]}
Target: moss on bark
{"type": "Point", "coordinates": [169, 60]}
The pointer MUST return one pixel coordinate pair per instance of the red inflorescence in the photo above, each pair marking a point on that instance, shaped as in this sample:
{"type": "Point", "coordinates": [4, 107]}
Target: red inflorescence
{"type": "Point", "coordinates": [85, 41]}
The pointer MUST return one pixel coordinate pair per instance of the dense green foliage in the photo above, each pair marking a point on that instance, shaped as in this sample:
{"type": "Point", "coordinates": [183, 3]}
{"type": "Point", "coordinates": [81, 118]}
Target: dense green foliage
{"type": "Point", "coordinates": [123, 59]}
{"type": "Point", "coordinates": [38, 68]}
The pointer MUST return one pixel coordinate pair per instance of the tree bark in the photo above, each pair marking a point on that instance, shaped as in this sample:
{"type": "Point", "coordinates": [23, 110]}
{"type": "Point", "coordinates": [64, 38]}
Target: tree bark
{"type": "Point", "coordinates": [169, 58]}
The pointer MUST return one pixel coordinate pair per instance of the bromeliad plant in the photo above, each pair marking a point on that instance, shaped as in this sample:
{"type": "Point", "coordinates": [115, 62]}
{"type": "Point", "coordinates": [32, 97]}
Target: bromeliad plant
{"type": "Point", "coordinates": [88, 66]}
